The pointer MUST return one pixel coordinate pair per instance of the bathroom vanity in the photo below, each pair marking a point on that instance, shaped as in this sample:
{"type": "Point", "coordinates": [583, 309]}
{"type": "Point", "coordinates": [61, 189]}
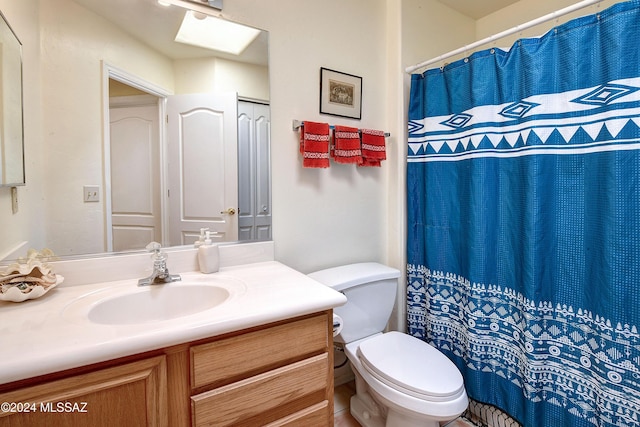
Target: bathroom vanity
{"type": "Point", "coordinates": [280, 373]}
{"type": "Point", "coordinates": [263, 356]}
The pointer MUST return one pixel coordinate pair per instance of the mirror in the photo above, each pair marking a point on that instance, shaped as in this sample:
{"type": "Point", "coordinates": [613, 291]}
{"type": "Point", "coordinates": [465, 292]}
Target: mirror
{"type": "Point", "coordinates": [11, 129]}
{"type": "Point", "coordinates": [85, 44]}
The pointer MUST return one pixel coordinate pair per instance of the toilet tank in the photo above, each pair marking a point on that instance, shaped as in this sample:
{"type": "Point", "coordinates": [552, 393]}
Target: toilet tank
{"type": "Point", "coordinates": [370, 289]}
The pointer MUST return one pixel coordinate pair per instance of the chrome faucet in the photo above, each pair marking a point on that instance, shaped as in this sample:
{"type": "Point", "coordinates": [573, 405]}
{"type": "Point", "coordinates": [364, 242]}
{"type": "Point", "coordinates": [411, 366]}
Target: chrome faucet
{"type": "Point", "coordinates": [160, 271]}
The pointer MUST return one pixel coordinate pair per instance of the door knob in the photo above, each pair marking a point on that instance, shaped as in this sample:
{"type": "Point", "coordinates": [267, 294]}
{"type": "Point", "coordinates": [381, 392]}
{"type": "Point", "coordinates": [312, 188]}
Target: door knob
{"type": "Point", "coordinates": [230, 211]}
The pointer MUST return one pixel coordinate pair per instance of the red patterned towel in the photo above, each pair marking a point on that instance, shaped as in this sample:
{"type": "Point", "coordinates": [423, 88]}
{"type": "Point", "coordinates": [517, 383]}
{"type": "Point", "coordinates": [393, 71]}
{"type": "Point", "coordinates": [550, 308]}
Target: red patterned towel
{"type": "Point", "coordinates": [346, 145]}
{"type": "Point", "coordinates": [314, 144]}
{"type": "Point", "coordinates": [373, 147]}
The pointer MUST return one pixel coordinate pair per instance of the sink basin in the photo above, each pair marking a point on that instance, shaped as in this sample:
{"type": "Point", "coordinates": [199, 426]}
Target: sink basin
{"type": "Point", "coordinates": [157, 303]}
{"type": "Point", "coordinates": [130, 304]}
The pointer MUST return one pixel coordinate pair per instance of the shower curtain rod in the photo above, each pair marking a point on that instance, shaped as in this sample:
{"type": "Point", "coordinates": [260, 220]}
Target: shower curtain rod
{"type": "Point", "coordinates": [505, 33]}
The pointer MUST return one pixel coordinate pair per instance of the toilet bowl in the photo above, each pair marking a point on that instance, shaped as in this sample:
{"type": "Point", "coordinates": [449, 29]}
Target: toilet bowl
{"type": "Point", "coordinates": [416, 383]}
{"type": "Point", "coordinates": [401, 381]}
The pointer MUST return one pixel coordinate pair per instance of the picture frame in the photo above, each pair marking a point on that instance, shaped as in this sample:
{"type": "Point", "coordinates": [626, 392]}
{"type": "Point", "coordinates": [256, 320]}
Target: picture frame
{"type": "Point", "coordinates": [340, 94]}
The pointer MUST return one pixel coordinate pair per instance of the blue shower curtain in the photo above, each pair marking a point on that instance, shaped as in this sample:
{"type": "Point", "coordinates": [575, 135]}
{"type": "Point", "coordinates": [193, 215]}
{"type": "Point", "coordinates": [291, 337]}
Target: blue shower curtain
{"type": "Point", "coordinates": [523, 182]}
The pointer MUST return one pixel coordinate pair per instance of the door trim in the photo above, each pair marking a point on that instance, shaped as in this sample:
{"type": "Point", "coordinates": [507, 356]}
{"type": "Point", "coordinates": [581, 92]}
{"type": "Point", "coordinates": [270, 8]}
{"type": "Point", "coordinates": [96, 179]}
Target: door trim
{"type": "Point", "coordinates": [110, 71]}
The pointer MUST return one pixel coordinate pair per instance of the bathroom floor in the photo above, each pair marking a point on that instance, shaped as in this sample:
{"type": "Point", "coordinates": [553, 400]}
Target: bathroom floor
{"type": "Point", "coordinates": [342, 416]}
{"type": "Point", "coordinates": [341, 396]}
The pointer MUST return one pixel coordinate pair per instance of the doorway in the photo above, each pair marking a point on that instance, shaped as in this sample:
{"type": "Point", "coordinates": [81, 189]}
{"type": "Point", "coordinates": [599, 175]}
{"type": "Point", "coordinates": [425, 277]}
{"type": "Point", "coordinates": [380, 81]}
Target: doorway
{"type": "Point", "coordinates": [136, 198]}
{"type": "Point", "coordinates": [134, 171]}
{"type": "Point", "coordinates": [170, 165]}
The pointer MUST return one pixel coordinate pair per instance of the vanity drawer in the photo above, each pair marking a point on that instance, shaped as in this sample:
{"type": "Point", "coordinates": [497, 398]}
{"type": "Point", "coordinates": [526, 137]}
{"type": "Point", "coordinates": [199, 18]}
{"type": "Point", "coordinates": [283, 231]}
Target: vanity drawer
{"type": "Point", "coordinates": [292, 395]}
{"type": "Point", "coordinates": [234, 358]}
{"type": "Point", "coordinates": [316, 415]}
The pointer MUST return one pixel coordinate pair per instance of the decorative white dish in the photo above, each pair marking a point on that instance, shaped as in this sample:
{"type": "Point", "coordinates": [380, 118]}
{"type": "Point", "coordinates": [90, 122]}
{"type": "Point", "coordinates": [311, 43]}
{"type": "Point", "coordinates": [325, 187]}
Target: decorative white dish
{"type": "Point", "coordinates": [15, 294]}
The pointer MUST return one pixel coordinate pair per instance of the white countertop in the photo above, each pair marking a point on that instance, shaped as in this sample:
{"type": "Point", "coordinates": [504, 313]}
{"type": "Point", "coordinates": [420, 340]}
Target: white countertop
{"type": "Point", "coordinates": [36, 338]}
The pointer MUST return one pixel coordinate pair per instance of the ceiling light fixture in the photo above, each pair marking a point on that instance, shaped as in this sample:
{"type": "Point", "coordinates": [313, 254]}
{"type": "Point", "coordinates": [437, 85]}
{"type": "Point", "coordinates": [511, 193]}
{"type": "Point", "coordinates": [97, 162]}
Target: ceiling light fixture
{"type": "Point", "coordinates": [214, 33]}
{"type": "Point", "coordinates": [211, 7]}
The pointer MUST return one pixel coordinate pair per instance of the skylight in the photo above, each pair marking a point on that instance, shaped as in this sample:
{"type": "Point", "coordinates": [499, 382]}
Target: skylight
{"type": "Point", "coordinates": [206, 31]}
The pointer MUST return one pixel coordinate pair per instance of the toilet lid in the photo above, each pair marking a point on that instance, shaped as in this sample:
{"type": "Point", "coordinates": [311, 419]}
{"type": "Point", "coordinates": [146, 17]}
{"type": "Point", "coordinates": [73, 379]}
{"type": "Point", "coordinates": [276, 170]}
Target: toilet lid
{"type": "Point", "coordinates": [407, 363]}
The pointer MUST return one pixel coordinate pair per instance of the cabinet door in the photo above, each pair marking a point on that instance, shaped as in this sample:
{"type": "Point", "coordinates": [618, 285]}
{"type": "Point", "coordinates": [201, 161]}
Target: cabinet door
{"type": "Point", "coordinates": [134, 394]}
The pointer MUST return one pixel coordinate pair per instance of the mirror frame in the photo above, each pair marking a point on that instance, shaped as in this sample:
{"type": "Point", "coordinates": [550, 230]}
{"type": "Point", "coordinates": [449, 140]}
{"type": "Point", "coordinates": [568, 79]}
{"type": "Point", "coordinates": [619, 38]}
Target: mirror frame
{"type": "Point", "coordinates": [20, 177]}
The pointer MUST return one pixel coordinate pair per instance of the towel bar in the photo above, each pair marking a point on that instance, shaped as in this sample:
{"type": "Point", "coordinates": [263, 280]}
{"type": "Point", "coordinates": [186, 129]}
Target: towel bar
{"type": "Point", "coordinates": [298, 123]}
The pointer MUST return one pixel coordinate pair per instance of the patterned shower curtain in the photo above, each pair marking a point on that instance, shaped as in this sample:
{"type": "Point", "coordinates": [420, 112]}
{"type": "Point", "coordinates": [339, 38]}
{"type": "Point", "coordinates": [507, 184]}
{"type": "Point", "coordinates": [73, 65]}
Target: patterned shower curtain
{"type": "Point", "coordinates": [523, 182]}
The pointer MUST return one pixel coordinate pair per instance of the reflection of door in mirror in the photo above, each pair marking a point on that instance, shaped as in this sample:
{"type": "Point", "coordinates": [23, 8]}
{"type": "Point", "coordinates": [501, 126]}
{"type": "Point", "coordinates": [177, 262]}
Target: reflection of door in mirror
{"type": "Point", "coordinates": [212, 179]}
{"type": "Point", "coordinates": [197, 189]}
{"type": "Point", "coordinates": [254, 182]}
{"type": "Point", "coordinates": [202, 166]}
{"type": "Point", "coordinates": [135, 172]}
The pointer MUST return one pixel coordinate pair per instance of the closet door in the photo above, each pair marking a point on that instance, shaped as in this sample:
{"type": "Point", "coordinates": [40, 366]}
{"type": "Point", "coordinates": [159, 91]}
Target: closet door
{"type": "Point", "coordinates": [254, 177]}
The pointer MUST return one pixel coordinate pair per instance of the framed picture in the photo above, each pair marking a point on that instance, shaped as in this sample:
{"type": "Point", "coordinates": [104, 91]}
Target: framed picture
{"type": "Point", "coordinates": [340, 94]}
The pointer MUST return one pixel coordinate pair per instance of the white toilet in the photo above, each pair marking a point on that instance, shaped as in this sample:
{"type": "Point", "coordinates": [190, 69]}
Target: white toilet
{"type": "Point", "coordinates": [401, 381]}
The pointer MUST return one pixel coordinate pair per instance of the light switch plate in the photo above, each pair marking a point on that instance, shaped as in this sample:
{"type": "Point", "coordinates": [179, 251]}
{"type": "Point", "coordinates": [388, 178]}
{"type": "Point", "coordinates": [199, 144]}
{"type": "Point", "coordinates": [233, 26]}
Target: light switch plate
{"type": "Point", "coordinates": [91, 193]}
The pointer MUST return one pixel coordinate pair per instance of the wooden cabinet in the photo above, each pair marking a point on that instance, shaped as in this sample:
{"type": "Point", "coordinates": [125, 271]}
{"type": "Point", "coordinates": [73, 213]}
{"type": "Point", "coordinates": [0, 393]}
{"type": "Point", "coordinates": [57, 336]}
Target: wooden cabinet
{"type": "Point", "coordinates": [132, 394]}
{"type": "Point", "coordinates": [274, 375]}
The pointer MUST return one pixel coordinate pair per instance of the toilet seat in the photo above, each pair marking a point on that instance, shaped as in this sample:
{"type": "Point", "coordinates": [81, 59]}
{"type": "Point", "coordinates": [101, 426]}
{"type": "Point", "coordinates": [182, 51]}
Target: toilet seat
{"type": "Point", "coordinates": [411, 366]}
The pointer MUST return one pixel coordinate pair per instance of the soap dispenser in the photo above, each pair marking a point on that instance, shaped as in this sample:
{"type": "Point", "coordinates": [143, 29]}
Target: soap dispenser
{"type": "Point", "coordinates": [201, 239]}
{"type": "Point", "coordinates": [208, 255]}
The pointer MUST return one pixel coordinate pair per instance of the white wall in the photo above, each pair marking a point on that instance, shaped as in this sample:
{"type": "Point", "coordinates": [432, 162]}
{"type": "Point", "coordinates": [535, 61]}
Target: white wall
{"type": "Point", "coordinates": [73, 51]}
{"type": "Point", "coordinates": [323, 217]}
{"type": "Point", "coordinates": [220, 75]}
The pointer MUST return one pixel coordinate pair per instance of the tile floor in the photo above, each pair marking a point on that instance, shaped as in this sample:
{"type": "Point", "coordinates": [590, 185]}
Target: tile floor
{"type": "Point", "coordinates": [341, 396]}
{"type": "Point", "coordinates": [342, 417]}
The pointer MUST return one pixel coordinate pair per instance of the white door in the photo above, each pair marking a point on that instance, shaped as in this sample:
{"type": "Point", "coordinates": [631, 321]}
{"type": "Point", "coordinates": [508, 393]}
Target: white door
{"type": "Point", "coordinates": [202, 166]}
{"type": "Point", "coordinates": [254, 163]}
{"type": "Point", "coordinates": [135, 176]}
